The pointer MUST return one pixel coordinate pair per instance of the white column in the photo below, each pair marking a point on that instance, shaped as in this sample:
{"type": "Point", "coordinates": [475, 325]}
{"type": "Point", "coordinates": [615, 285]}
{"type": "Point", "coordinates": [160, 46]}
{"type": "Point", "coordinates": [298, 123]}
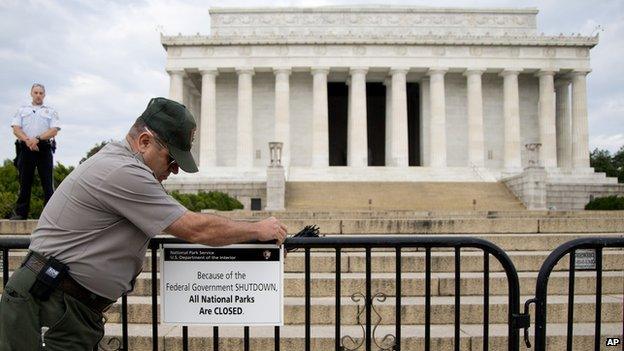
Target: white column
{"type": "Point", "coordinates": [176, 85]}
{"type": "Point", "coordinates": [438, 117]}
{"type": "Point", "coordinates": [320, 122]}
{"type": "Point", "coordinates": [511, 113]}
{"type": "Point", "coordinates": [425, 126]}
{"type": "Point", "coordinates": [282, 112]}
{"type": "Point", "coordinates": [548, 151]}
{"type": "Point", "coordinates": [244, 122]}
{"type": "Point", "coordinates": [388, 136]}
{"type": "Point", "coordinates": [580, 143]}
{"type": "Point", "coordinates": [208, 120]}
{"type": "Point", "coordinates": [399, 156]}
{"type": "Point", "coordinates": [357, 143]}
{"type": "Point", "coordinates": [564, 124]}
{"type": "Point", "coordinates": [476, 142]}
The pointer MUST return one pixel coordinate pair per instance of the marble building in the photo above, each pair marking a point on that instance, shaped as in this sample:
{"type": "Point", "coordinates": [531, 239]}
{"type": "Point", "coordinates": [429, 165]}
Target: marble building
{"type": "Point", "coordinates": [381, 94]}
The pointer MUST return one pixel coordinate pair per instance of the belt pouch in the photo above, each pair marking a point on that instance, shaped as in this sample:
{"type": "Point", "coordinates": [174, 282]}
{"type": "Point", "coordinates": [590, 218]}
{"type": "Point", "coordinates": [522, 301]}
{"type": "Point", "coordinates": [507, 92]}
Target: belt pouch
{"type": "Point", "coordinates": [48, 279]}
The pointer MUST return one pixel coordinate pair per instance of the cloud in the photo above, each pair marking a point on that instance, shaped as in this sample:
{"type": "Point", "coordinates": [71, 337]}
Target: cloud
{"type": "Point", "coordinates": [611, 142]}
{"type": "Point", "coordinates": [101, 60]}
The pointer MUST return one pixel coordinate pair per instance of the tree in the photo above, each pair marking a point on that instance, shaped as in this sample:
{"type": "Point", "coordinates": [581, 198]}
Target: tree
{"type": "Point", "coordinates": [9, 188]}
{"type": "Point", "coordinates": [612, 165]}
{"type": "Point", "coordinates": [618, 160]}
{"type": "Point", "coordinates": [94, 150]}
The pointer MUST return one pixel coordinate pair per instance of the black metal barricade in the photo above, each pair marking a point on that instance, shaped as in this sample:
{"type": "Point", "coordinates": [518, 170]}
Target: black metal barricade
{"type": "Point", "coordinates": [515, 320]}
{"type": "Point", "coordinates": [541, 289]}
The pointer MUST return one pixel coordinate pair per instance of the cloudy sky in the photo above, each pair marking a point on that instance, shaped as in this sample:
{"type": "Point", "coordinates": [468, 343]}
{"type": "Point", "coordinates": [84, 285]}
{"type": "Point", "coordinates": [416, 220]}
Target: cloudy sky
{"type": "Point", "coordinates": [101, 61]}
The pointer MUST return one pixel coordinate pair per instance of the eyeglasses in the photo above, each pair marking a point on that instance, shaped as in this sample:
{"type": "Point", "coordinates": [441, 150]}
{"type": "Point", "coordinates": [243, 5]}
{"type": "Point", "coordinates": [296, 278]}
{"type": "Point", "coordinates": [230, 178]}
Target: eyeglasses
{"type": "Point", "coordinates": [171, 162]}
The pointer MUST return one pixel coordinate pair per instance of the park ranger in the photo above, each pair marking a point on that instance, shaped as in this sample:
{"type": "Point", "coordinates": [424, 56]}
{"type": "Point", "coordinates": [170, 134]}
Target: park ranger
{"type": "Point", "coordinates": [91, 239]}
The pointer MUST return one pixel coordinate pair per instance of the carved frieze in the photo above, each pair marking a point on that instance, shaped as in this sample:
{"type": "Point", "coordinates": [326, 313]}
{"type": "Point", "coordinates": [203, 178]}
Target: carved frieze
{"type": "Point", "coordinates": [476, 51]}
{"type": "Point", "coordinates": [282, 50]}
{"type": "Point", "coordinates": [549, 52]}
{"type": "Point", "coordinates": [320, 50]}
{"type": "Point", "coordinates": [438, 50]}
{"type": "Point", "coordinates": [370, 21]}
{"type": "Point", "coordinates": [582, 52]}
{"type": "Point", "coordinates": [400, 50]}
{"type": "Point", "coordinates": [244, 50]}
{"type": "Point", "coordinates": [359, 50]}
{"type": "Point", "coordinates": [455, 55]}
{"type": "Point", "coordinates": [175, 52]}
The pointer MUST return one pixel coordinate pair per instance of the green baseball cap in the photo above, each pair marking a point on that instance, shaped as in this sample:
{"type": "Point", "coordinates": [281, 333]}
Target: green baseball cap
{"type": "Point", "coordinates": [175, 126]}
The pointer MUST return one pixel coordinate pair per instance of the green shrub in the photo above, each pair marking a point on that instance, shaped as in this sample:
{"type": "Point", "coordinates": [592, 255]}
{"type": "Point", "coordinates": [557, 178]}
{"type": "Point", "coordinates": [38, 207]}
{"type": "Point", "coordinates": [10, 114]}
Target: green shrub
{"type": "Point", "coordinates": [9, 188]}
{"type": "Point", "coordinates": [7, 200]}
{"type": "Point", "coordinates": [214, 200]}
{"type": "Point", "coordinates": [609, 203]}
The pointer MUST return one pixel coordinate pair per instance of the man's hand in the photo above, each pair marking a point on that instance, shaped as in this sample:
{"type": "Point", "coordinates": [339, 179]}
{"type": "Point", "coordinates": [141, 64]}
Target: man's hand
{"type": "Point", "coordinates": [32, 144]}
{"type": "Point", "coordinates": [271, 229]}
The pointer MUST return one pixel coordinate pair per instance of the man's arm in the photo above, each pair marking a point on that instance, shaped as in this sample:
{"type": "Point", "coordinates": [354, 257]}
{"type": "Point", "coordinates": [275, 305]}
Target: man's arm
{"type": "Point", "coordinates": [49, 134]}
{"type": "Point", "coordinates": [214, 230]}
{"type": "Point", "coordinates": [19, 134]}
{"type": "Point", "coordinates": [30, 142]}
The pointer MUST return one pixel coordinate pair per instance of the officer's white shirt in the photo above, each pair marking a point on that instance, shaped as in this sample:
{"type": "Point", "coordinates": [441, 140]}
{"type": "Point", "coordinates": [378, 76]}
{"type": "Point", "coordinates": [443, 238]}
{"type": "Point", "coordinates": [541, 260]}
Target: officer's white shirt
{"type": "Point", "coordinates": [35, 119]}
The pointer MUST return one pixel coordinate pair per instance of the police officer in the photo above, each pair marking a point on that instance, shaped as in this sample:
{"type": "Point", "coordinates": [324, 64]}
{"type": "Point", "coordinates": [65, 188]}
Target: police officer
{"type": "Point", "coordinates": [34, 125]}
{"type": "Point", "coordinates": [91, 239]}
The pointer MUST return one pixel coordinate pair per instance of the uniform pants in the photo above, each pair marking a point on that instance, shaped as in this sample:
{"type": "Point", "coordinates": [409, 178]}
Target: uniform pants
{"type": "Point", "coordinates": [72, 325]}
{"type": "Point", "coordinates": [27, 161]}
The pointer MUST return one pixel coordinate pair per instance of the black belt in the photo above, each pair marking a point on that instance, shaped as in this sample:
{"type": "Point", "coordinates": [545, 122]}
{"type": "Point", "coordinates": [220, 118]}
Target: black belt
{"type": "Point", "coordinates": [35, 262]}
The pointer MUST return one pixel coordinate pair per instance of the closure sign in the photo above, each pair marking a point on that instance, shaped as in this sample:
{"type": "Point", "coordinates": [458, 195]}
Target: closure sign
{"type": "Point", "coordinates": [229, 285]}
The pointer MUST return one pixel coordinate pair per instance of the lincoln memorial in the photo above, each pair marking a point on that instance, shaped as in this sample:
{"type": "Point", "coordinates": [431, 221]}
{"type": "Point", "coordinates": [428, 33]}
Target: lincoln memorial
{"type": "Point", "coordinates": [382, 94]}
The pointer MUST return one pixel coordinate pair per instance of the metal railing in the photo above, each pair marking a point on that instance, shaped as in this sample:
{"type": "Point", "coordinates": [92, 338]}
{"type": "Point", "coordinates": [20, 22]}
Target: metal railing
{"type": "Point", "coordinates": [541, 287]}
{"type": "Point", "coordinates": [515, 319]}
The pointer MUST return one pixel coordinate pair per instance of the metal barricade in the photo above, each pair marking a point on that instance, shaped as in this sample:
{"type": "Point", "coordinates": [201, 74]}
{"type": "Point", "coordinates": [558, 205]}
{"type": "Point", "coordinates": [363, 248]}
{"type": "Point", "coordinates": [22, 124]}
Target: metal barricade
{"type": "Point", "coordinates": [541, 289]}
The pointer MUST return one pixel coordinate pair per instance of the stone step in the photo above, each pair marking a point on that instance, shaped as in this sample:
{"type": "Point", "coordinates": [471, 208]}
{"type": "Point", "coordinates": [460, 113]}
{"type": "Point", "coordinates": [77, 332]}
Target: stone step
{"type": "Point", "coordinates": [413, 309]}
{"type": "Point", "coordinates": [412, 284]}
{"type": "Point", "coordinates": [411, 261]}
{"type": "Point", "coordinates": [410, 195]}
{"type": "Point", "coordinates": [322, 337]}
{"type": "Point", "coordinates": [442, 284]}
{"type": "Point", "coordinates": [584, 181]}
{"type": "Point", "coordinates": [407, 214]}
{"type": "Point", "coordinates": [463, 226]}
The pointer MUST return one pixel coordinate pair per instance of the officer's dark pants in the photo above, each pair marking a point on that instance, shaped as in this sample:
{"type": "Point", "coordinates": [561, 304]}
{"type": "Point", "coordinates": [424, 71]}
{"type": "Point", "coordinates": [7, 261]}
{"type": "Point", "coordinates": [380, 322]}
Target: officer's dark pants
{"type": "Point", "coordinates": [72, 325]}
{"type": "Point", "coordinates": [27, 161]}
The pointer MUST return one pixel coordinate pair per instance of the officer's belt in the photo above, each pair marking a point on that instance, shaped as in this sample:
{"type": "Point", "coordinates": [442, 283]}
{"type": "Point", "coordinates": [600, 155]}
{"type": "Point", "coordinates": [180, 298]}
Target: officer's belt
{"type": "Point", "coordinates": [35, 262]}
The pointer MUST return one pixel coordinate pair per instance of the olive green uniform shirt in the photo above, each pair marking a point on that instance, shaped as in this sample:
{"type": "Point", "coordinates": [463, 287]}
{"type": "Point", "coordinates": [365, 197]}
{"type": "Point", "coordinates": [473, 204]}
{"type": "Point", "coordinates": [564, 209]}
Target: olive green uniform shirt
{"type": "Point", "coordinates": [100, 220]}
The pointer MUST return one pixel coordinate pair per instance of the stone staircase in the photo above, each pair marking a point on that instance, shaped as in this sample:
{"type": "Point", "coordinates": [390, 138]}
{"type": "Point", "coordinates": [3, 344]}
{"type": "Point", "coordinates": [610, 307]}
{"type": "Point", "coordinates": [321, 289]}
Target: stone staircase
{"type": "Point", "coordinates": [559, 189]}
{"type": "Point", "coordinates": [415, 196]}
{"type": "Point", "coordinates": [527, 237]}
